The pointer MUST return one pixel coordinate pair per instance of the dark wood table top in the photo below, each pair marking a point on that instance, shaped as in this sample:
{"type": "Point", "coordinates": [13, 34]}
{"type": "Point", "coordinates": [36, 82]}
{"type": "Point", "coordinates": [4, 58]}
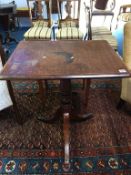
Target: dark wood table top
{"type": "Point", "coordinates": [63, 59]}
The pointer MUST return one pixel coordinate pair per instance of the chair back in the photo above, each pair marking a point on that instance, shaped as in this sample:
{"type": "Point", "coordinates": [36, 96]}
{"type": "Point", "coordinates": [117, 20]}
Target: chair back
{"type": "Point", "coordinates": [40, 11]}
{"type": "Point", "coordinates": [107, 5]}
{"type": "Point", "coordinates": [68, 13]}
{"type": "Point", "coordinates": [88, 22]}
{"type": "Point", "coordinates": [102, 8]}
{"type": "Point", "coordinates": [101, 4]}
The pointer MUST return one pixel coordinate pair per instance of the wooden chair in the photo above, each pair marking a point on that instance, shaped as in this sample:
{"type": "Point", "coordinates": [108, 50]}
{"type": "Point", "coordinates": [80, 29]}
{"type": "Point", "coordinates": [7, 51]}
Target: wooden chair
{"type": "Point", "coordinates": [102, 8]}
{"type": "Point", "coordinates": [40, 17]}
{"type": "Point", "coordinates": [98, 33]}
{"type": "Point", "coordinates": [69, 15]}
{"type": "Point", "coordinates": [7, 98]}
{"type": "Point", "coordinates": [68, 26]}
{"type": "Point", "coordinates": [124, 14]}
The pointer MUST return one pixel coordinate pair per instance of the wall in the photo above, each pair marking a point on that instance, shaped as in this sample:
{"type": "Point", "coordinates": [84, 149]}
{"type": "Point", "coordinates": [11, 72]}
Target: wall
{"type": "Point", "coordinates": [22, 3]}
{"type": "Point", "coordinates": [25, 21]}
{"type": "Point", "coordinates": [19, 3]}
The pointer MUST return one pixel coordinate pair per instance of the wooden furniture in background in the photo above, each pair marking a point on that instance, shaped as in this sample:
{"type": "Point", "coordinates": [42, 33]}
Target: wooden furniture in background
{"type": "Point", "coordinates": [21, 13]}
{"type": "Point", "coordinates": [7, 14]}
{"type": "Point", "coordinates": [40, 17]}
{"type": "Point", "coordinates": [64, 61]}
{"type": "Point", "coordinates": [98, 33]}
{"type": "Point", "coordinates": [68, 22]}
{"type": "Point", "coordinates": [40, 20]}
{"type": "Point", "coordinates": [103, 8]}
{"type": "Point", "coordinates": [124, 14]}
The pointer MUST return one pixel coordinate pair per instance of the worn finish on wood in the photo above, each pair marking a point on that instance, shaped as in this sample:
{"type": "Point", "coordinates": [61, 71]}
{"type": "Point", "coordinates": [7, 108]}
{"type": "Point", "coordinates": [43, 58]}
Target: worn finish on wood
{"type": "Point", "coordinates": [63, 59]}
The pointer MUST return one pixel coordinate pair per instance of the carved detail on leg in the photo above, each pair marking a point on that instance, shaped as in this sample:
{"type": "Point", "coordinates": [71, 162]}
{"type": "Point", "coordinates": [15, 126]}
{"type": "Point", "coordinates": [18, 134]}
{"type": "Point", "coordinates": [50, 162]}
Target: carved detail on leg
{"type": "Point", "coordinates": [87, 88]}
{"type": "Point", "coordinates": [41, 90]}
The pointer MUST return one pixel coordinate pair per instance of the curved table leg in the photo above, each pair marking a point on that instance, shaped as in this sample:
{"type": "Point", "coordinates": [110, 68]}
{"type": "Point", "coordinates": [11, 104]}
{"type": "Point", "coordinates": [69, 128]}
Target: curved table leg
{"type": "Point", "coordinates": [68, 114]}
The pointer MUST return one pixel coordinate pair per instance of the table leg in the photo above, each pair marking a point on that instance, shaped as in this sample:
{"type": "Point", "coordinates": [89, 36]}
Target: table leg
{"type": "Point", "coordinates": [66, 132]}
{"type": "Point", "coordinates": [68, 114]}
{"type": "Point", "coordinates": [66, 105]}
{"type": "Point", "coordinates": [87, 88]}
{"type": "Point", "coordinates": [50, 104]}
{"type": "Point", "coordinates": [66, 95]}
{"type": "Point", "coordinates": [42, 90]}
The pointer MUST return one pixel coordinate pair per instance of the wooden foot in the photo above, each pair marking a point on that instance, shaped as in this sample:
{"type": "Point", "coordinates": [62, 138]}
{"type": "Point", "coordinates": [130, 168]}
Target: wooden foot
{"type": "Point", "coordinates": [81, 117]}
{"type": "Point", "coordinates": [120, 104]}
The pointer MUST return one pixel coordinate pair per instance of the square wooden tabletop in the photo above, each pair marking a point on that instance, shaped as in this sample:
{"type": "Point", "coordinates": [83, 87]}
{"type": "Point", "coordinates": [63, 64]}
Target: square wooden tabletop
{"type": "Point", "coordinates": [63, 59]}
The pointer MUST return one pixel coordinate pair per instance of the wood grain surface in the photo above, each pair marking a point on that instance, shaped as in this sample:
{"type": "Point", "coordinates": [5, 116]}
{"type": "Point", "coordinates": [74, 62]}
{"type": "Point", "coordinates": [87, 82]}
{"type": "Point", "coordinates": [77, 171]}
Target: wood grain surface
{"type": "Point", "coordinates": [63, 59]}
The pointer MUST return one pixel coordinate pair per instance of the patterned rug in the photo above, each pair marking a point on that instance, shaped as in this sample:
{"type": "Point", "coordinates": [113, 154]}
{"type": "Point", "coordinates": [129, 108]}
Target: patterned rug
{"type": "Point", "coordinates": [99, 146]}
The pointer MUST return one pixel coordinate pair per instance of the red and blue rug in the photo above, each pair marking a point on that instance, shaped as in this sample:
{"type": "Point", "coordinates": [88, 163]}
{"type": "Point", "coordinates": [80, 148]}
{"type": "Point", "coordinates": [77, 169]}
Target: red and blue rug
{"type": "Point", "coordinates": [92, 162]}
{"type": "Point", "coordinates": [99, 146]}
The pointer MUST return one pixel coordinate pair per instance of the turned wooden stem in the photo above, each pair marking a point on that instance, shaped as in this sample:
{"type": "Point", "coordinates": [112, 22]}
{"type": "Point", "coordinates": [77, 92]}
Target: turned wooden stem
{"type": "Point", "coordinates": [87, 88]}
{"type": "Point", "coordinates": [66, 132]}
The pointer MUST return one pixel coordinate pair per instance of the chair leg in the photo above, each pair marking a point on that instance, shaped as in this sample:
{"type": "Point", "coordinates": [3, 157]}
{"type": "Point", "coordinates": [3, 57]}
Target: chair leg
{"type": "Point", "coordinates": [120, 104]}
{"type": "Point", "coordinates": [17, 113]}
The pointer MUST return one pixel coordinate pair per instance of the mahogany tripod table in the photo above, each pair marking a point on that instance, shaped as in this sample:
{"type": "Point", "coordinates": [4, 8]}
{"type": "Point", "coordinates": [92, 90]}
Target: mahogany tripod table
{"type": "Point", "coordinates": [64, 61]}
